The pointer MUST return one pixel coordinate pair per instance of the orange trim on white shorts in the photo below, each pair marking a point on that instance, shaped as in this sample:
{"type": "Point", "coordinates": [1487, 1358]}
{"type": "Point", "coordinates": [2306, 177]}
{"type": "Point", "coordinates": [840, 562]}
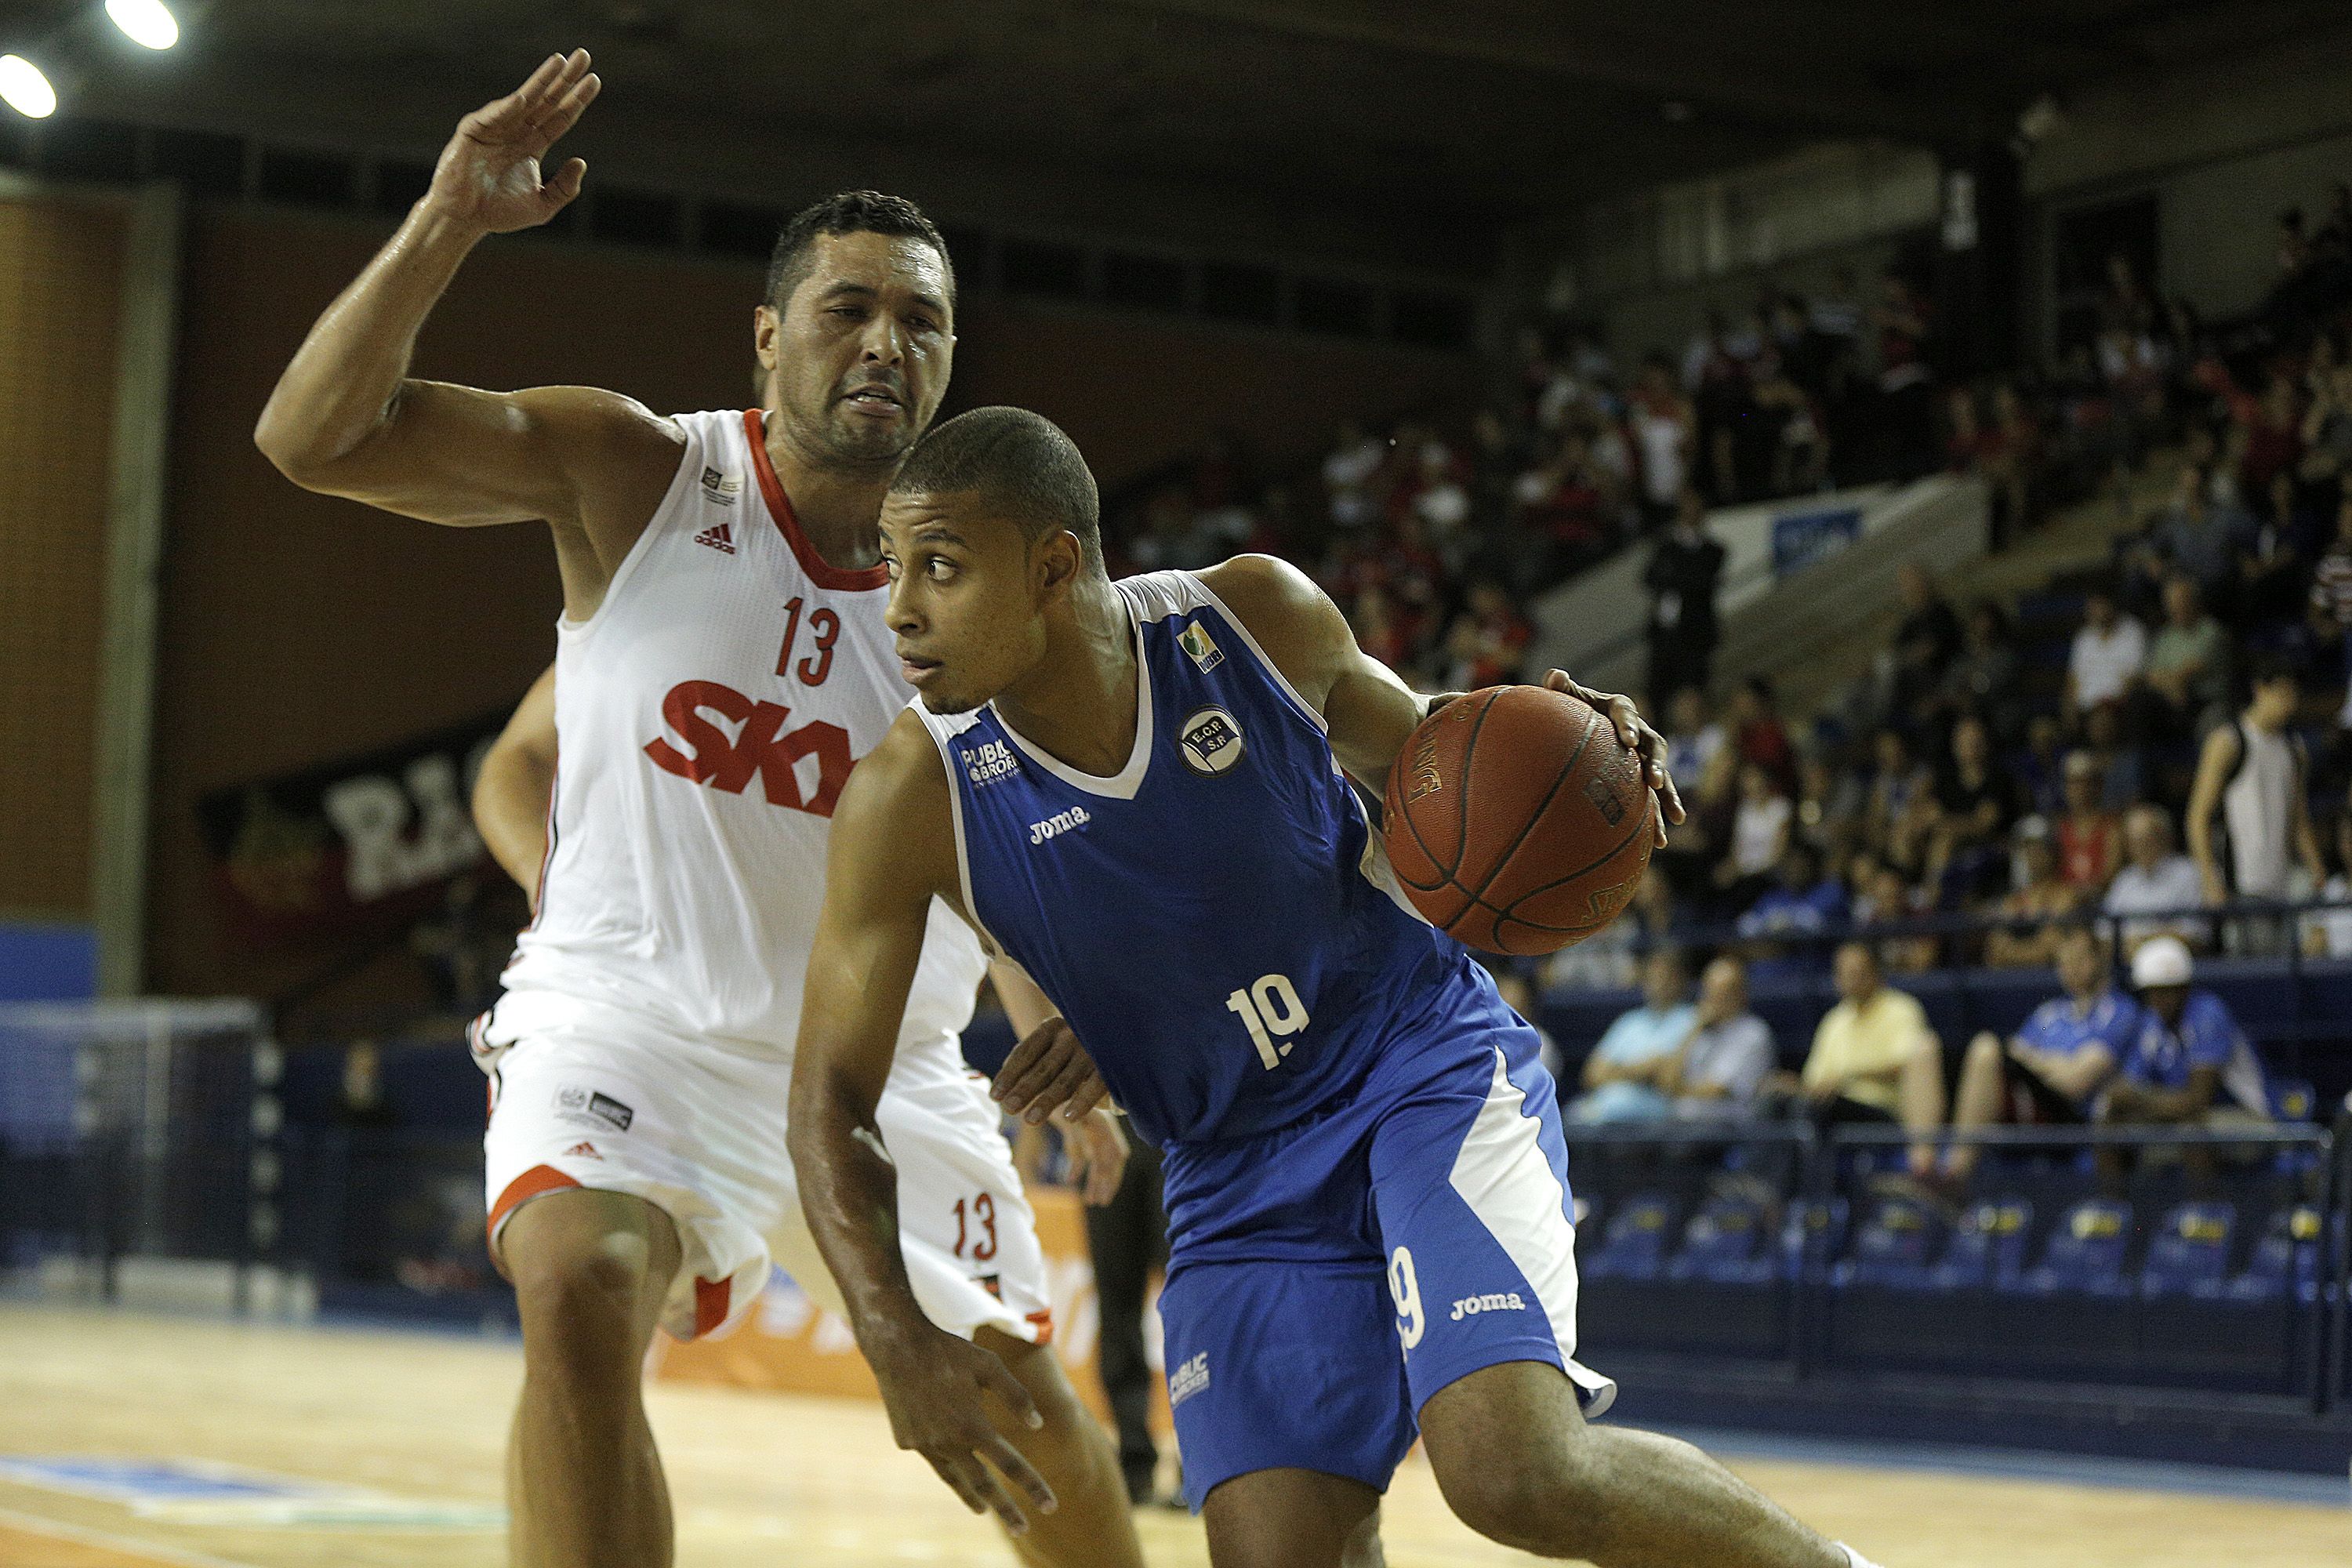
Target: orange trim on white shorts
{"type": "Point", "coordinates": [534, 1183]}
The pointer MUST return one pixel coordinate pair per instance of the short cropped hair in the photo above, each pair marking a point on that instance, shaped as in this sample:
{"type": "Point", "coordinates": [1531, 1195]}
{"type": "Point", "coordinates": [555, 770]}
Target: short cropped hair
{"type": "Point", "coordinates": [1016, 460]}
{"type": "Point", "coordinates": [850, 212]}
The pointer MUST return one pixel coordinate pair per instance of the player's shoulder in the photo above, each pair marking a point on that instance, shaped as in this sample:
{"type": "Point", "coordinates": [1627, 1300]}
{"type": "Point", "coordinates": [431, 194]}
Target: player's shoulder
{"type": "Point", "coordinates": [894, 814]}
{"type": "Point", "coordinates": [1289, 617]}
{"type": "Point", "coordinates": [1262, 587]}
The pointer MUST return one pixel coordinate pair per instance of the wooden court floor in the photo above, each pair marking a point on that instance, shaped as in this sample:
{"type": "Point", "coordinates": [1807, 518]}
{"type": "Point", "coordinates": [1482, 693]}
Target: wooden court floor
{"type": "Point", "coordinates": [766, 1480]}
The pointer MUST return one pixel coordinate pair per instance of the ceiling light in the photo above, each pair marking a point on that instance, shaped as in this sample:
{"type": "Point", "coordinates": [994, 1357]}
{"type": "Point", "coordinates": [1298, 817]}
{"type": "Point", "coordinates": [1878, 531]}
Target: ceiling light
{"type": "Point", "coordinates": [24, 89]}
{"type": "Point", "coordinates": [144, 22]}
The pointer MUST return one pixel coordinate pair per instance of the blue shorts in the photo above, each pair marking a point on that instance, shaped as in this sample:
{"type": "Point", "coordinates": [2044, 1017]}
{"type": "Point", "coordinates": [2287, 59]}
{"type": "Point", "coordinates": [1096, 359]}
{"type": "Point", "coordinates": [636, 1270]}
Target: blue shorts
{"type": "Point", "coordinates": [1339, 1272]}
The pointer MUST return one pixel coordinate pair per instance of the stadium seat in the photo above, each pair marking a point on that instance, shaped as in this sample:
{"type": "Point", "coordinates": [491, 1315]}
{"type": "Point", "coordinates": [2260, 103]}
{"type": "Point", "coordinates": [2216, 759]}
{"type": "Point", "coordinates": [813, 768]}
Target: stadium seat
{"type": "Point", "coordinates": [1634, 1244]}
{"type": "Point", "coordinates": [1810, 1235]}
{"type": "Point", "coordinates": [1988, 1247]}
{"type": "Point", "coordinates": [1893, 1246]}
{"type": "Point", "coordinates": [1724, 1245]}
{"type": "Point", "coordinates": [2285, 1260]}
{"type": "Point", "coordinates": [2192, 1249]}
{"type": "Point", "coordinates": [2085, 1255]}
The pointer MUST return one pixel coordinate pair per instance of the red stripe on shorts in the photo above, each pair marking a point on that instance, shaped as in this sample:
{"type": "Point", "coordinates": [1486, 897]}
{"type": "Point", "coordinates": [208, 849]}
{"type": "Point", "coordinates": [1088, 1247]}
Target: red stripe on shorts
{"type": "Point", "coordinates": [539, 1179]}
{"type": "Point", "coordinates": [711, 1299]}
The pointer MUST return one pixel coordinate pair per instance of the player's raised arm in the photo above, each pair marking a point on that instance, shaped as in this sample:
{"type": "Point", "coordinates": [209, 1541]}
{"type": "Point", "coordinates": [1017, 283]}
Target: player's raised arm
{"type": "Point", "coordinates": [516, 780]}
{"type": "Point", "coordinates": [1368, 710]}
{"type": "Point", "coordinates": [892, 850]}
{"type": "Point", "coordinates": [347, 419]}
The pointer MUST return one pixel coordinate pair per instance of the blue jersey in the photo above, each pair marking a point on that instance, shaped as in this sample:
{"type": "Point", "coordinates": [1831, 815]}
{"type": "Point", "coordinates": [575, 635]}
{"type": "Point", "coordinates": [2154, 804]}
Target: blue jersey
{"type": "Point", "coordinates": [2162, 1056]}
{"type": "Point", "coordinates": [2059, 1027]}
{"type": "Point", "coordinates": [1217, 922]}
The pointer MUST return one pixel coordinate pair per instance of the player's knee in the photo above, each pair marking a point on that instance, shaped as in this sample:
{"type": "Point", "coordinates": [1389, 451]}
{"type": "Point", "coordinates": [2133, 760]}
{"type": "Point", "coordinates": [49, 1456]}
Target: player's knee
{"type": "Point", "coordinates": [1543, 1498]}
{"type": "Point", "coordinates": [1984, 1049]}
{"type": "Point", "coordinates": [578, 1284]}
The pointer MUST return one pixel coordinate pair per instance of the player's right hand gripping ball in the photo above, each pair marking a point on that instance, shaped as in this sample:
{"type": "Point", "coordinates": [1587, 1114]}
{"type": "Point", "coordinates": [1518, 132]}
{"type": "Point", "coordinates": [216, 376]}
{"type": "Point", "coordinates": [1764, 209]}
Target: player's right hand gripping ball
{"type": "Point", "coordinates": [1517, 822]}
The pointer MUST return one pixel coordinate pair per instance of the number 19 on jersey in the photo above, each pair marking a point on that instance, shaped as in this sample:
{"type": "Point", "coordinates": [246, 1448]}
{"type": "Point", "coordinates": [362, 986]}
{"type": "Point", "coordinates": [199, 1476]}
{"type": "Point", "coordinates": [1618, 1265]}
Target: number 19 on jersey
{"type": "Point", "coordinates": [1271, 1011]}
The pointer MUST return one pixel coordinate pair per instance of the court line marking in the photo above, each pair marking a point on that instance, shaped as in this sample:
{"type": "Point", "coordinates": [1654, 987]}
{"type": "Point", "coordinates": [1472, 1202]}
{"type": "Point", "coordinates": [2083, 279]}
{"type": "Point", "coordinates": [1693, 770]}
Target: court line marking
{"type": "Point", "coordinates": [2311, 1488]}
{"type": "Point", "coordinates": [34, 1524]}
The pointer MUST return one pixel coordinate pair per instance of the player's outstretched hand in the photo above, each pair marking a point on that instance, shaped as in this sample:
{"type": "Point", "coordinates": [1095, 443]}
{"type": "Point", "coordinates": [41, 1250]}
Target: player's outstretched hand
{"type": "Point", "coordinates": [1049, 1074]}
{"type": "Point", "coordinates": [1097, 1156]}
{"type": "Point", "coordinates": [489, 176]}
{"type": "Point", "coordinates": [935, 1385]}
{"type": "Point", "coordinates": [1639, 738]}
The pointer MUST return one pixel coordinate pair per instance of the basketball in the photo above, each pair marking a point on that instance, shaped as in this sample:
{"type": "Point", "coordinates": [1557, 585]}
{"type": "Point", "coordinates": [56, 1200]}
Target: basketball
{"type": "Point", "coordinates": [1517, 822]}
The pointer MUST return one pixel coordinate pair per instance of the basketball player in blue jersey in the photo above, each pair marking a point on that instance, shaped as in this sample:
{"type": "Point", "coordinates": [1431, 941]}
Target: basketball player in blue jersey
{"type": "Point", "coordinates": [1134, 791]}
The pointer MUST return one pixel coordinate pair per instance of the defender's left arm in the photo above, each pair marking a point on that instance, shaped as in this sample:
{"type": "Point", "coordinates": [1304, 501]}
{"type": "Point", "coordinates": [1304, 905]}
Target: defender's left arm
{"type": "Point", "coordinates": [1367, 710]}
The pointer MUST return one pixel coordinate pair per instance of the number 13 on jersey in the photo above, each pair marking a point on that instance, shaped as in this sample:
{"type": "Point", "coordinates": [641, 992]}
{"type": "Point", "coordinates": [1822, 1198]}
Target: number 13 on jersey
{"type": "Point", "coordinates": [1271, 1011]}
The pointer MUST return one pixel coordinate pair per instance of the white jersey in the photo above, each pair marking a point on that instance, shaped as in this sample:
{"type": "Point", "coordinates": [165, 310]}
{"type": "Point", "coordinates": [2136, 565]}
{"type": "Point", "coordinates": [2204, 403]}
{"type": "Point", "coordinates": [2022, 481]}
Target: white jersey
{"type": "Point", "coordinates": [706, 718]}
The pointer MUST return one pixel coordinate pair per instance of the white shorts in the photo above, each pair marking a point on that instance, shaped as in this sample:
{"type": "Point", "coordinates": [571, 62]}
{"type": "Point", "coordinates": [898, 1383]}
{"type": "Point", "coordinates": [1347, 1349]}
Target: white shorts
{"type": "Point", "coordinates": [612, 1103]}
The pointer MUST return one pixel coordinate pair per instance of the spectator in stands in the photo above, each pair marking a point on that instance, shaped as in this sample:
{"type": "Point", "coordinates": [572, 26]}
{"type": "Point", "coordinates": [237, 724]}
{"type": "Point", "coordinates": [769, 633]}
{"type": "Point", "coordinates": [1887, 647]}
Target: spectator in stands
{"type": "Point", "coordinates": [2155, 881]}
{"type": "Point", "coordinates": [2188, 672]}
{"type": "Point", "coordinates": [2010, 456]}
{"type": "Point", "coordinates": [1485, 644]}
{"type": "Point", "coordinates": [1685, 568]}
{"type": "Point", "coordinates": [2035, 907]}
{"type": "Point", "coordinates": [1894, 817]}
{"type": "Point", "coordinates": [2331, 593]}
{"type": "Point", "coordinates": [2039, 767]}
{"type": "Point", "coordinates": [1625, 1076]}
{"type": "Point", "coordinates": [1349, 476]}
{"type": "Point", "coordinates": [1982, 677]}
{"type": "Point", "coordinates": [1974, 803]}
{"type": "Point", "coordinates": [2201, 539]}
{"type": "Point", "coordinates": [1874, 1059]}
{"type": "Point", "coordinates": [1906, 413]}
{"type": "Point", "coordinates": [1831, 802]}
{"type": "Point", "coordinates": [1663, 424]}
{"type": "Point", "coordinates": [2327, 933]}
{"type": "Point", "coordinates": [2253, 772]}
{"type": "Point", "coordinates": [2106, 657]}
{"type": "Point", "coordinates": [1697, 750]}
{"type": "Point", "coordinates": [1781, 929]}
{"type": "Point", "coordinates": [1759, 838]}
{"type": "Point", "coordinates": [2188, 1064]}
{"type": "Point", "coordinates": [2050, 1072]}
{"type": "Point", "coordinates": [1926, 641]}
{"type": "Point", "coordinates": [1884, 898]}
{"type": "Point", "coordinates": [1725, 1060]}
{"type": "Point", "coordinates": [1758, 735]}
{"type": "Point", "coordinates": [2089, 835]}
{"type": "Point", "coordinates": [2118, 764]}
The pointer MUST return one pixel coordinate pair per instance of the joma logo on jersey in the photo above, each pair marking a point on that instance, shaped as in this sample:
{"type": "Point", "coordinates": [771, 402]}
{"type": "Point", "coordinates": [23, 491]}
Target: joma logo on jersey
{"type": "Point", "coordinates": [1211, 741]}
{"type": "Point", "coordinates": [1061, 822]}
{"type": "Point", "coordinates": [759, 745]}
{"type": "Point", "coordinates": [989, 761]}
{"type": "Point", "coordinates": [1195, 641]}
{"type": "Point", "coordinates": [1504, 1301]}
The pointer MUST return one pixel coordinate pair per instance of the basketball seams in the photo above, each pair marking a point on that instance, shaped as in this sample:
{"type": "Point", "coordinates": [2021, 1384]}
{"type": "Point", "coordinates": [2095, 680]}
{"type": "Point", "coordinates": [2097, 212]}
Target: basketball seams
{"type": "Point", "coordinates": [1592, 721]}
{"type": "Point", "coordinates": [1640, 827]}
{"type": "Point", "coordinates": [1449, 872]}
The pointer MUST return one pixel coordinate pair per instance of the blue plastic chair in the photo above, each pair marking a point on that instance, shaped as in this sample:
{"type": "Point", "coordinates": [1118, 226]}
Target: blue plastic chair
{"type": "Point", "coordinates": [1633, 1247]}
{"type": "Point", "coordinates": [2192, 1249]}
{"type": "Point", "coordinates": [1988, 1247]}
{"type": "Point", "coordinates": [2285, 1261]}
{"type": "Point", "coordinates": [2085, 1255]}
{"type": "Point", "coordinates": [1810, 1235]}
{"type": "Point", "coordinates": [1892, 1249]}
{"type": "Point", "coordinates": [1724, 1245]}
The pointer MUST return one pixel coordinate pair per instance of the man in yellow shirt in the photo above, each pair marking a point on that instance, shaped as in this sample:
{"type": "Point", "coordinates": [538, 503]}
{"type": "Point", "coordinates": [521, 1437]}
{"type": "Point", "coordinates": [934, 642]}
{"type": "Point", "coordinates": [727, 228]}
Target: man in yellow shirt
{"type": "Point", "coordinates": [1874, 1059]}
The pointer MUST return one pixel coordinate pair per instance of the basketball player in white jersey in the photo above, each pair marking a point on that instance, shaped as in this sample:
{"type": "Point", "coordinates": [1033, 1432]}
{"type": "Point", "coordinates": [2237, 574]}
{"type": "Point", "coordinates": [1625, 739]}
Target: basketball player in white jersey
{"type": "Point", "coordinates": [721, 664]}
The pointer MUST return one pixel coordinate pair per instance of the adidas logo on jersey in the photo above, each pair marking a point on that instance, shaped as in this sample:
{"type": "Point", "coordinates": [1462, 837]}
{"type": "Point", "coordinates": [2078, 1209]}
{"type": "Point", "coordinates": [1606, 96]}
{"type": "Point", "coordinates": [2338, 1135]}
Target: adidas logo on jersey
{"type": "Point", "coordinates": [584, 1151]}
{"type": "Point", "coordinates": [720, 488]}
{"type": "Point", "coordinates": [1471, 1306]}
{"type": "Point", "coordinates": [717, 538]}
{"type": "Point", "coordinates": [1061, 822]}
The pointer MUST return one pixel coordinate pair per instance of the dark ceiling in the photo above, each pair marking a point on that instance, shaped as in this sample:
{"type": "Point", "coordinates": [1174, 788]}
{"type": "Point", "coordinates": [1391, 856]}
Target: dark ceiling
{"type": "Point", "coordinates": [1306, 121]}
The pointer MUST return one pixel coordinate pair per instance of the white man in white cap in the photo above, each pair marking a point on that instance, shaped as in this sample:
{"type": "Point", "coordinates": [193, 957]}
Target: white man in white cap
{"type": "Point", "coordinates": [2189, 1064]}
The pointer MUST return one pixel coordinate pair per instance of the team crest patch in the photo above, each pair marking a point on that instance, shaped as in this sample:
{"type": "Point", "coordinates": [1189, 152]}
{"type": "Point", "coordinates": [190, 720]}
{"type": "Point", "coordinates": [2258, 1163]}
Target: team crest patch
{"type": "Point", "coordinates": [721, 488]}
{"type": "Point", "coordinates": [1211, 741]}
{"type": "Point", "coordinates": [1195, 641]}
{"type": "Point", "coordinates": [586, 1108]}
